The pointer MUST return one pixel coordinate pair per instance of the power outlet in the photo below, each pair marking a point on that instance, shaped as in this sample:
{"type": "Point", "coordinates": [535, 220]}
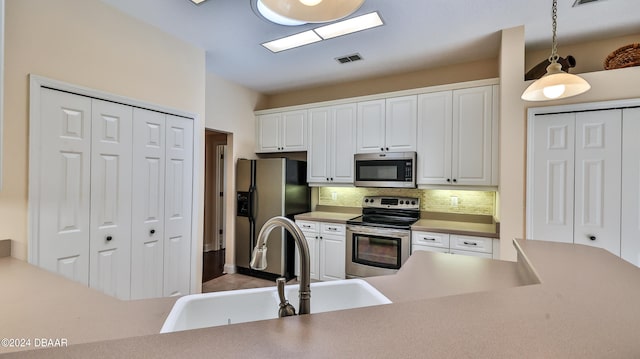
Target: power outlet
{"type": "Point", "coordinates": [454, 201]}
{"type": "Point", "coordinates": [334, 196]}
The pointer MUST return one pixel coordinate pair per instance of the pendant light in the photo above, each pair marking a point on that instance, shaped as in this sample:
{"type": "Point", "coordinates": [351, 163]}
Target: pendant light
{"type": "Point", "coordinates": [298, 12]}
{"type": "Point", "coordinates": [555, 84]}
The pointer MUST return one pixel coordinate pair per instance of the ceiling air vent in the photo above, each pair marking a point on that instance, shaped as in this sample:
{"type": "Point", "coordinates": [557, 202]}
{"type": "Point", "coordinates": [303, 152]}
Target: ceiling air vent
{"type": "Point", "coordinates": [349, 58]}
{"type": "Point", "coordinates": [582, 2]}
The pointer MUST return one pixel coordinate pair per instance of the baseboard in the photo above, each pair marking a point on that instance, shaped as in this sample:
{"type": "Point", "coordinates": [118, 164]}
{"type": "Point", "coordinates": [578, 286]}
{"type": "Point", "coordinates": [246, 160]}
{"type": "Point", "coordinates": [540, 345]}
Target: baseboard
{"type": "Point", "coordinates": [229, 268]}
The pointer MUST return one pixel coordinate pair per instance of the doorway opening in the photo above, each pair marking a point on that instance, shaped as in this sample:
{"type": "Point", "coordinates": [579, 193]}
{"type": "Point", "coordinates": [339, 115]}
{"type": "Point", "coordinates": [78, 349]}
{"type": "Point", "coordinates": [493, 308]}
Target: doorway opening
{"type": "Point", "coordinates": [213, 256]}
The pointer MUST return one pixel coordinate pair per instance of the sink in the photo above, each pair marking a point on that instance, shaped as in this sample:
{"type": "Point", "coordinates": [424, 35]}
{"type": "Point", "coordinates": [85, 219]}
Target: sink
{"type": "Point", "coordinates": [249, 305]}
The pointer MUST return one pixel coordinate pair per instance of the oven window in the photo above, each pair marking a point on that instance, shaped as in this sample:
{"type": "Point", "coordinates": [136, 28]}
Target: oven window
{"type": "Point", "coordinates": [376, 251]}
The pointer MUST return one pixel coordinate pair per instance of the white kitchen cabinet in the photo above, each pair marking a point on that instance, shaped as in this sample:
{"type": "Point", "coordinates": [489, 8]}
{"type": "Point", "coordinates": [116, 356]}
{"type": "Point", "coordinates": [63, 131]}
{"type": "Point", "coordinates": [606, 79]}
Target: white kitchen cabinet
{"type": "Point", "coordinates": [112, 204]}
{"type": "Point", "coordinates": [454, 244]}
{"type": "Point", "coordinates": [282, 132]}
{"type": "Point", "coordinates": [327, 250]}
{"type": "Point", "coordinates": [332, 251]}
{"type": "Point", "coordinates": [470, 244]}
{"type": "Point", "coordinates": [387, 125]}
{"type": "Point", "coordinates": [455, 137]}
{"type": "Point", "coordinates": [575, 175]}
{"type": "Point", "coordinates": [332, 143]}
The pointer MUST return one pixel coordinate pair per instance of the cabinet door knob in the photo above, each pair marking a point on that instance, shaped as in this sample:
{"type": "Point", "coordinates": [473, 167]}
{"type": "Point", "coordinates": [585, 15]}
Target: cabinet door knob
{"type": "Point", "coordinates": [381, 149]}
{"type": "Point", "coordinates": [327, 178]}
{"type": "Point", "coordinates": [331, 178]}
{"type": "Point", "coordinates": [593, 238]}
{"type": "Point", "coordinates": [152, 231]}
{"type": "Point", "coordinates": [109, 238]}
{"type": "Point", "coordinates": [387, 148]}
{"type": "Point", "coordinates": [455, 180]}
{"type": "Point", "coordinates": [448, 179]}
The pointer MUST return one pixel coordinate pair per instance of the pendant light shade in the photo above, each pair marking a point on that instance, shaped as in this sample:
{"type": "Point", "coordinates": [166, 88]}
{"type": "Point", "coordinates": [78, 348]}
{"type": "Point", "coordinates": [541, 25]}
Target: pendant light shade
{"type": "Point", "coordinates": [296, 12]}
{"type": "Point", "coordinates": [555, 84]}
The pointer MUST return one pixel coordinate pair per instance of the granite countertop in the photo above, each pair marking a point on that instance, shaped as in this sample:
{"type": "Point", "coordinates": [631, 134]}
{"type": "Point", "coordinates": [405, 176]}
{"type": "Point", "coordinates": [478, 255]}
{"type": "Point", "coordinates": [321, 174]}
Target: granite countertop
{"type": "Point", "coordinates": [332, 217]}
{"type": "Point", "coordinates": [38, 304]}
{"type": "Point", "coordinates": [457, 227]}
{"type": "Point", "coordinates": [579, 302]}
{"type": "Point", "coordinates": [469, 228]}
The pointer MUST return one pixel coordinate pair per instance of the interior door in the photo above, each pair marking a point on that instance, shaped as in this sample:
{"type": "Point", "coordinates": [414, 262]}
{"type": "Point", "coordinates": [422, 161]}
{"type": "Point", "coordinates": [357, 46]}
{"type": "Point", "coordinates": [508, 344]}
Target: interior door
{"type": "Point", "coordinates": [178, 204]}
{"type": "Point", "coordinates": [65, 155]}
{"type": "Point", "coordinates": [147, 233]}
{"type": "Point", "coordinates": [110, 262]}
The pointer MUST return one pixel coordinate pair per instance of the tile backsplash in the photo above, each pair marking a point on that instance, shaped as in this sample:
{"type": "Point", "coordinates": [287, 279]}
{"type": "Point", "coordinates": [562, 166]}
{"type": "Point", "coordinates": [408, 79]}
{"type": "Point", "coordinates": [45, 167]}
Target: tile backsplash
{"type": "Point", "coordinates": [468, 202]}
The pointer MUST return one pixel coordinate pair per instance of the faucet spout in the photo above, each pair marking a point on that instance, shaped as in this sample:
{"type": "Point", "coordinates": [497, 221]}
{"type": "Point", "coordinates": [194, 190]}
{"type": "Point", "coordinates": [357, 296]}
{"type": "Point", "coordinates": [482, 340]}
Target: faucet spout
{"type": "Point", "coordinates": [259, 257]}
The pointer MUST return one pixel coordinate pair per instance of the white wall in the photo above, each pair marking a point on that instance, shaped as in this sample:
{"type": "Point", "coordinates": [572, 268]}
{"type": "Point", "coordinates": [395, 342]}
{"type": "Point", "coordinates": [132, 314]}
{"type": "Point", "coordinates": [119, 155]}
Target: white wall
{"type": "Point", "coordinates": [86, 43]}
{"type": "Point", "coordinates": [230, 109]}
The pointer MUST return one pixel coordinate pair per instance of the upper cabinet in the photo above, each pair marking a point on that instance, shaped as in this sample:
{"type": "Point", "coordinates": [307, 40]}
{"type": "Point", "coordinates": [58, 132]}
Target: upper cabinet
{"type": "Point", "coordinates": [282, 132]}
{"type": "Point", "coordinates": [332, 143]}
{"type": "Point", "coordinates": [456, 131]}
{"type": "Point", "coordinates": [387, 125]}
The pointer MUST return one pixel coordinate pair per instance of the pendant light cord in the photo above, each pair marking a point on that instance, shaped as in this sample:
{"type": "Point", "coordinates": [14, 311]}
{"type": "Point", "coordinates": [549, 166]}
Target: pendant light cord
{"type": "Point", "coordinates": [554, 45]}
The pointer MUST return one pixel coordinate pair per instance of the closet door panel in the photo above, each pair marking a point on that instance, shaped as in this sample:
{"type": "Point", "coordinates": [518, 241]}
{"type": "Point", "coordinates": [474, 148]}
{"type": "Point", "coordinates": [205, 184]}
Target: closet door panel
{"type": "Point", "coordinates": [553, 180]}
{"type": "Point", "coordinates": [147, 244]}
{"type": "Point", "coordinates": [65, 154]}
{"type": "Point", "coordinates": [178, 197]}
{"type": "Point", "coordinates": [598, 176]}
{"type": "Point", "coordinates": [630, 227]}
{"type": "Point", "coordinates": [110, 246]}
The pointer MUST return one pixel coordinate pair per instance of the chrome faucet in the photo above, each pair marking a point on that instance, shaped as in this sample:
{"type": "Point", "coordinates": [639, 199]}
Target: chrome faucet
{"type": "Point", "coordinates": [259, 260]}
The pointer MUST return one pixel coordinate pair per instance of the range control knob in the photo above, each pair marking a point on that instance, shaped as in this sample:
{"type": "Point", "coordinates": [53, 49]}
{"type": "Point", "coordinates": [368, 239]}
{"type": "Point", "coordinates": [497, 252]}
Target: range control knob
{"type": "Point", "coordinates": [413, 202]}
{"type": "Point", "coordinates": [366, 200]}
{"type": "Point", "coordinates": [402, 202]}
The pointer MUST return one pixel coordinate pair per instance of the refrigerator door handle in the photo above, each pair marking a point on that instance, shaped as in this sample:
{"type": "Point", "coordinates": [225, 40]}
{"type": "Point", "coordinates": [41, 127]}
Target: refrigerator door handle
{"type": "Point", "coordinates": [252, 218]}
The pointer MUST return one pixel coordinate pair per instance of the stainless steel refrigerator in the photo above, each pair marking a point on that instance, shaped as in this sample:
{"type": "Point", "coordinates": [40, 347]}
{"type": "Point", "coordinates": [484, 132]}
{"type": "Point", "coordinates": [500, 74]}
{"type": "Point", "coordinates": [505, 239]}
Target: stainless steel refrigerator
{"type": "Point", "coordinates": [267, 188]}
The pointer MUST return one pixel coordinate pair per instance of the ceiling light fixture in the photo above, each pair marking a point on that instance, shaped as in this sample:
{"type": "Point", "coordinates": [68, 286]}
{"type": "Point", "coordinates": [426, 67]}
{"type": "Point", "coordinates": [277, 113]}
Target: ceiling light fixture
{"type": "Point", "coordinates": [349, 26]}
{"type": "Point", "coordinates": [555, 84]}
{"type": "Point", "coordinates": [311, 2]}
{"type": "Point", "coordinates": [326, 32]}
{"type": "Point", "coordinates": [197, 2]}
{"type": "Point", "coordinates": [289, 42]}
{"type": "Point", "coordinates": [298, 12]}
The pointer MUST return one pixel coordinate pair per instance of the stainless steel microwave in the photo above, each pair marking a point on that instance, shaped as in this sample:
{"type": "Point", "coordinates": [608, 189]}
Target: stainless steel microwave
{"type": "Point", "coordinates": [389, 169]}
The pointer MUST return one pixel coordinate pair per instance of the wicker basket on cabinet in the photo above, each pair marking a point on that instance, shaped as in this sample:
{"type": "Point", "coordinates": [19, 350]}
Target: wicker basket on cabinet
{"type": "Point", "coordinates": [625, 56]}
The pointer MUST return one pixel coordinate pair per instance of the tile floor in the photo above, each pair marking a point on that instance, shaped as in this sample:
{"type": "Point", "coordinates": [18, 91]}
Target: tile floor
{"type": "Point", "coordinates": [235, 281]}
{"type": "Point", "coordinates": [240, 281]}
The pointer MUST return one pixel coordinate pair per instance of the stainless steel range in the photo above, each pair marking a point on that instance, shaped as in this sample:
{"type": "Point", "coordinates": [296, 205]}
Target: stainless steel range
{"type": "Point", "coordinates": [379, 241]}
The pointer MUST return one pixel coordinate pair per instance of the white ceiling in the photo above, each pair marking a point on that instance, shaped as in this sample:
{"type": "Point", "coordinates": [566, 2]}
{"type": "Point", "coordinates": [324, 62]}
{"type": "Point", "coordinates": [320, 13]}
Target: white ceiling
{"type": "Point", "coordinates": [417, 34]}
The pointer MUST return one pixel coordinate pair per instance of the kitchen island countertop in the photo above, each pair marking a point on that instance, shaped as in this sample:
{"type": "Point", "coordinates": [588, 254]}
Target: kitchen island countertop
{"type": "Point", "coordinates": [585, 305]}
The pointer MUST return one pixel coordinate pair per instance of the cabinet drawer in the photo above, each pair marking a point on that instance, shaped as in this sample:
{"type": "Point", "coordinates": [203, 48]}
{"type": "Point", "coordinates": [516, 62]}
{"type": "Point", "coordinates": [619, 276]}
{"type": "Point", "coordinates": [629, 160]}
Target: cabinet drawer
{"type": "Point", "coordinates": [307, 226]}
{"type": "Point", "coordinates": [332, 228]}
{"type": "Point", "coordinates": [418, 247]}
{"type": "Point", "coordinates": [473, 254]}
{"type": "Point", "coordinates": [474, 244]}
{"type": "Point", "coordinates": [440, 240]}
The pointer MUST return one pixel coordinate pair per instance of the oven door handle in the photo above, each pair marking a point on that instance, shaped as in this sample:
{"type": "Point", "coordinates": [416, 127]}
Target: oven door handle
{"type": "Point", "coordinates": [379, 231]}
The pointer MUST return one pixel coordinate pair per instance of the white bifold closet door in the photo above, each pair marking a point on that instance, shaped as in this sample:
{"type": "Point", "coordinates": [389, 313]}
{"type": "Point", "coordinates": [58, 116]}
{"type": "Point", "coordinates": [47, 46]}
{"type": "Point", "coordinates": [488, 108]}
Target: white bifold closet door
{"type": "Point", "coordinates": [576, 178]}
{"type": "Point", "coordinates": [178, 202]}
{"type": "Point", "coordinates": [110, 247]}
{"type": "Point", "coordinates": [115, 184]}
{"type": "Point", "coordinates": [64, 201]}
{"type": "Point", "coordinates": [147, 239]}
